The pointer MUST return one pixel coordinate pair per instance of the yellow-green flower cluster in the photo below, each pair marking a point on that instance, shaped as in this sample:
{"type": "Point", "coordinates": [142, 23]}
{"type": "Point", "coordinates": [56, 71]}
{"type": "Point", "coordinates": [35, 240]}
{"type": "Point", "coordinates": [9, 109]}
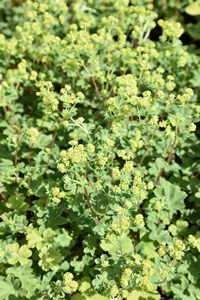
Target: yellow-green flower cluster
{"type": "Point", "coordinates": [192, 127]}
{"type": "Point", "coordinates": [139, 187]}
{"type": "Point", "coordinates": [176, 251]}
{"type": "Point", "coordinates": [162, 249]}
{"type": "Point", "coordinates": [158, 205]}
{"type": "Point", "coordinates": [48, 96]}
{"type": "Point", "coordinates": [109, 115]}
{"type": "Point", "coordinates": [114, 291]}
{"type": "Point", "coordinates": [127, 86]}
{"type": "Point", "coordinates": [170, 84]}
{"type": "Point", "coordinates": [115, 173]}
{"type": "Point", "coordinates": [33, 135]}
{"type": "Point", "coordinates": [139, 221]}
{"type": "Point", "coordinates": [57, 195]}
{"type": "Point", "coordinates": [122, 221]}
{"type": "Point", "coordinates": [124, 175]}
{"type": "Point", "coordinates": [186, 96]}
{"type": "Point", "coordinates": [90, 148]}
{"type": "Point", "coordinates": [75, 154]}
{"type": "Point", "coordinates": [69, 285]}
{"type": "Point", "coordinates": [137, 142]}
{"type": "Point", "coordinates": [125, 278]}
{"type": "Point", "coordinates": [102, 159]}
{"type": "Point", "coordinates": [121, 224]}
{"type": "Point", "coordinates": [194, 242]}
{"type": "Point", "coordinates": [146, 284]}
{"type": "Point", "coordinates": [69, 98]}
{"type": "Point", "coordinates": [171, 29]}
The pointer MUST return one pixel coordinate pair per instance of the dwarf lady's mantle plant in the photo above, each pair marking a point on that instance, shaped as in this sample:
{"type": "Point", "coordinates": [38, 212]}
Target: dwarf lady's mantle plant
{"type": "Point", "coordinates": [99, 161]}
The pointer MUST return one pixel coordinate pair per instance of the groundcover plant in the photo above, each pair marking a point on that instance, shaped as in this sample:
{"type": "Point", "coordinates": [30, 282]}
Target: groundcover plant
{"type": "Point", "coordinates": [99, 160]}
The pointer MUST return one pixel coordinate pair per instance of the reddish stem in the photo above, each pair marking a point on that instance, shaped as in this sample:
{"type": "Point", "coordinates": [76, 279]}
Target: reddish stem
{"type": "Point", "coordinates": [90, 206]}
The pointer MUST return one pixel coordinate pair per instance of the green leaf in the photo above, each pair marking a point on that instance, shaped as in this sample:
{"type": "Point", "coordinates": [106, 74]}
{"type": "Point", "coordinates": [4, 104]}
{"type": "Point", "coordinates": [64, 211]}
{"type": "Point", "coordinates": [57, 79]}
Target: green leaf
{"type": "Point", "coordinates": [88, 296]}
{"type": "Point", "coordinates": [196, 79]}
{"type": "Point", "coordinates": [173, 229]}
{"type": "Point", "coordinates": [17, 202]}
{"type": "Point", "coordinates": [146, 248]}
{"type": "Point", "coordinates": [117, 245]}
{"type": "Point", "coordinates": [6, 289]}
{"type": "Point", "coordinates": [193, 9]}
{"type": "Point", "coordinates": [194, 32]}
{"type": "Point", "coordinates": [159, 234]}
{"type": "Point", "coordinates": [63, 239]}
{"type": "Point", "coordinates": [13, 253]}
{"type": "Point", "coordinates": [171, 194]}
{"type": "Point", "coordinates": [23, 254]}
{"type": "Point", "coordinates": [55, 216]}
{"type": "Point", "coordinates": [33, 238]}
{"type": "Point", "coordinates": [78, 296]}
{"type": "Point", "coordinates": [138, 295]}
{"type": "Point", "coordinates": [28, 281]}
{"type": "Point", "coordinates": [79, 265]}
{"type": "Point", "coordinates": [18, 254]}
{"type": "Point", "coordinates": [97, 297]}
{"type": "Point", "coordinates": [85, 284]}
{"type": "Point", "coordinates": [37, 187]}
{"type": "Point", "coordinates": [6, 166]}
{"type": "Point", "coordinates": [181, 225]}
{"type": "Point", "coordinates": [50, 259]}
{"type": "Point", "coordinates": [43, 141]}
{"type": "Point", "coordinates": [156, 166]}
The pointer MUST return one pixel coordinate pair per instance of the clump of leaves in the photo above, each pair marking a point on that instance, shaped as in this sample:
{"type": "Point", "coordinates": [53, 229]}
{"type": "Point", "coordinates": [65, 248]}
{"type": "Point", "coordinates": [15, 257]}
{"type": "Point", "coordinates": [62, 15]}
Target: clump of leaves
{"type": "Point", "coordinates": [99, 161]}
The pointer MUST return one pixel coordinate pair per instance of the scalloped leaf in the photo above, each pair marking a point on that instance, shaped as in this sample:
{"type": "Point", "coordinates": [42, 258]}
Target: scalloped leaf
{"type": "Point", "coordinates": [193, 9]}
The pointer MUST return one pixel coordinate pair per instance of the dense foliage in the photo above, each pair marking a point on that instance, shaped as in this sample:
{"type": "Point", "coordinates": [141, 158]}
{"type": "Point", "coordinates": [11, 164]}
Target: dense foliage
{"type": "Point", "coordinates": [99, 161]}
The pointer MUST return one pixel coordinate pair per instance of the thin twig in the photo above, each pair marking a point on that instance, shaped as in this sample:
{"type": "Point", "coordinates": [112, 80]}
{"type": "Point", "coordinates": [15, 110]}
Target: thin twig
{"type": "Point", "coordinates": [23, 227]}
{"type": "Point", "coordinates": [9, 121]}
{"type": "Point", "coordinates": [177, 11]}
{"type": "Point", "coordinates": [88, 179]}
{"type": "Point", "coordinates": [143, 157]}
{"type": "Point", "coordinates": [29, 155]}
{"type": "Point", "coordinates": [3, 196]}
{"type": "Point", "coordinates": [16, 156]}
{"type": "Point", "coordinates": [90, 206]}
{"type": "Point", "coordinates": [93, 81]}
{"type": "Point", "coordinates": [51, 147]}
{"type": "Point", "coordinates": [148, 147]}
{"type": "Point", "coordinates": [168, 161]}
